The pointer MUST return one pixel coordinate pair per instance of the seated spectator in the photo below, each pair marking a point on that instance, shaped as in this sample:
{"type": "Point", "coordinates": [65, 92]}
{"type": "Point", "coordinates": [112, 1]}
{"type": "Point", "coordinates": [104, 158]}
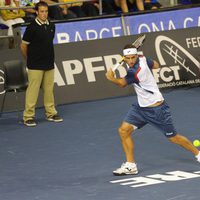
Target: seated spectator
{"type": "Point", "coordinates": [127, 5]}
{"type": "Point", "coordinates": [90, 8]}
{"type": "Point", "coordinates": [85, 9]}
{"type": "Point", "coordinates": [65, 13]}
{"type": "Point", "coordinates": [29, 12]}
{"type": "Point", "coordinates": [11, 16]}
{"type": "Point", "coordinates": [55, 12]}
{"type": "Point", "coordinates": [107, 7]}
{"type": "Point", "coordinates": [136, 5]}
{"type": "Point", "coordinates": [151, 4]}
{"type": "Point", "coordinates": [76, 8]}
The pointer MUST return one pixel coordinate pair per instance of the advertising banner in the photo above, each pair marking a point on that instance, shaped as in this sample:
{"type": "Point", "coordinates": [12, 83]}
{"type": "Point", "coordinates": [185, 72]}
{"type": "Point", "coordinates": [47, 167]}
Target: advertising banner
{"type": "Point", "coordinates": [178, 55]}
{"type": "Point", "coordinates": [163, 21]}
{"type": "Point", "coordinates": [135, 24]}
{"type": "Point", "coordinates": [80, 67]}
{"type": "Point", "coordinates": [88, 30]}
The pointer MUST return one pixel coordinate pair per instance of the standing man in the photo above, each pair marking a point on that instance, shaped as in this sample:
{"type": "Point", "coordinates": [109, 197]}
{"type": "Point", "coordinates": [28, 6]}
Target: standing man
{"type": "Point", "coordinates": [37, 48]}
{"type": "Point", "coordinates": [151, 108]}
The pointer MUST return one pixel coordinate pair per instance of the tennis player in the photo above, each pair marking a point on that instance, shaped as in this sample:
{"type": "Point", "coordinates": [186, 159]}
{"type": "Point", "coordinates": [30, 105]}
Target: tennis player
{"type": "Point", "coordinates": [151, 108]}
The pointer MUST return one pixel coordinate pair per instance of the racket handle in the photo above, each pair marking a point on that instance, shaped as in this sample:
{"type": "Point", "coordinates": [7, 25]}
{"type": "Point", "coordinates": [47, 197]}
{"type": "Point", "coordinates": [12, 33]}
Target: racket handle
{"type": "Point", "coordinates": [116, 66]}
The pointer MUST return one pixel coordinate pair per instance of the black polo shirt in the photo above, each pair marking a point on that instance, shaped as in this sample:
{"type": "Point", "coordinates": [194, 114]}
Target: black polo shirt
{"type": "Point", "coordinates": [39, 37]}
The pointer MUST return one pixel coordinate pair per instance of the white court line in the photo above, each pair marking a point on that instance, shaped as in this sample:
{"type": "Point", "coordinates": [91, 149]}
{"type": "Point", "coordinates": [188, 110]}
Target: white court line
{"type": "Point", "coordinates": [176, 197]}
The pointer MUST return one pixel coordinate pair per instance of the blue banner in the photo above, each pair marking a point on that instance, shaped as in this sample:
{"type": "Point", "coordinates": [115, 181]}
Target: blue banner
{"type": "Point", "coordinates": [163, 21]}
{"type": "Point", "coordinates": [112, 27]}
{"type": "Point", "coordinates": [88, 30]}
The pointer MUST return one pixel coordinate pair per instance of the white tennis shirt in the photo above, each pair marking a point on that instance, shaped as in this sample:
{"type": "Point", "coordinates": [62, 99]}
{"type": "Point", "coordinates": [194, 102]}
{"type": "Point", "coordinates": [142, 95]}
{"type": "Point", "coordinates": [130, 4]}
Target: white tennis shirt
{"type": "Point", "coordinates": [141, 77]}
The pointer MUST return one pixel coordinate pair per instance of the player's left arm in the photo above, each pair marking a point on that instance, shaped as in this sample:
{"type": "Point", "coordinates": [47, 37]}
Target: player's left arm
{"type": "Point", "coordinates": [152, 64]}
{"type": "Point", "coordinates": [155, 65]}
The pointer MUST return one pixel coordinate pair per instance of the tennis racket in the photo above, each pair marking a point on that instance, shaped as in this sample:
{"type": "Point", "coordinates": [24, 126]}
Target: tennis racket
{"type": "Point", "coordinates": [137, 43]}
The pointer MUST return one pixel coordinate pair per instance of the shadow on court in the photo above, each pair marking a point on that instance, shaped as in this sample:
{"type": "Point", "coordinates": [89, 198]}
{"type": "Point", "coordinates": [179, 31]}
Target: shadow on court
{"type": "Point", "coordinates": [74, 160]}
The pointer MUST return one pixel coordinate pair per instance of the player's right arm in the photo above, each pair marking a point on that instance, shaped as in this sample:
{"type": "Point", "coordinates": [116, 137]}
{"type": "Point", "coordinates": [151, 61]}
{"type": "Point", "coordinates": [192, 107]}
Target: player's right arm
{"type": "Point", "coordinates": [110, 75]}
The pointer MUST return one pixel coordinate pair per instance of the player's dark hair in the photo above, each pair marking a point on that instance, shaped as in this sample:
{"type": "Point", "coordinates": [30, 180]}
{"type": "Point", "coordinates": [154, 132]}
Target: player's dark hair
{"type": "Point", "coordinates": [39, 4]}
{"type": "Point", "coordinates": [128, 46]}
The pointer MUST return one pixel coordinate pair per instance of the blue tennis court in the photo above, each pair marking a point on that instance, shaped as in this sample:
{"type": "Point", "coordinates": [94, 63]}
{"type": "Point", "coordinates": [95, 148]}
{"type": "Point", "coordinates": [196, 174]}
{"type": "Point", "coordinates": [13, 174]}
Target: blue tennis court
{"type": "Point", "coordinates": [74, 160]}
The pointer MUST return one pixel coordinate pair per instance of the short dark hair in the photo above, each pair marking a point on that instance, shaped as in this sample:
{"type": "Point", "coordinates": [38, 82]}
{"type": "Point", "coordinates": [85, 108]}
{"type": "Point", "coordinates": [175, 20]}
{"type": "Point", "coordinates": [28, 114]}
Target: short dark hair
{"type": "Point", "coordinates": [39, 4]}
{"type": "Point", "coordinates": [128, 46]}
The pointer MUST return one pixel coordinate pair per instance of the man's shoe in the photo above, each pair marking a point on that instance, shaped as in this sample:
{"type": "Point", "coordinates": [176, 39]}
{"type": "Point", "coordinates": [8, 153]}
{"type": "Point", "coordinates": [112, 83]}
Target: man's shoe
{"type": "Point", "coordinates": [55, 118]}
{"type": "Point", "coordinates": [126, 169]}
{"type": "Point", "coordinates": [30, 123]}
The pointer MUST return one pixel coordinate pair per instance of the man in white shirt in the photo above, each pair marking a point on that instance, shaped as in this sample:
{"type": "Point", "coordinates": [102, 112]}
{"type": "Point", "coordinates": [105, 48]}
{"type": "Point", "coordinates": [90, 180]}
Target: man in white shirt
{"type": "Point", "coordinates": [151, 108]}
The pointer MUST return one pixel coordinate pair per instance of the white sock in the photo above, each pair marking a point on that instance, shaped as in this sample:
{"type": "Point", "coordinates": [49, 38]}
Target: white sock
{"type": "Point", "coordinates": [130, 164]}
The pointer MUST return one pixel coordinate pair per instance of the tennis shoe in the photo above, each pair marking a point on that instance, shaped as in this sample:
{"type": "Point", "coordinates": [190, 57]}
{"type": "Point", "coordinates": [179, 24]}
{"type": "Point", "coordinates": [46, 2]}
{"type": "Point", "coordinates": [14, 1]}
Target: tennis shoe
{"type": "Point", "coordinates": [30, 123]}
{"type": "Point", "coordinates": [55, 118]}
{"type": "Point", "coordinates": [198, 157]}
{"type": "Point", "coordinates": [126, 169]}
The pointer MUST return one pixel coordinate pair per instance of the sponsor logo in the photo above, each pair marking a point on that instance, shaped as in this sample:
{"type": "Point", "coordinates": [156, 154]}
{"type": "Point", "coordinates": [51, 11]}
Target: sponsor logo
{"type": "Point", "coordinates": [173, 52]}
{"type": "Point", "coordinates": [184, 63]}
{"type": "Point", "coordinates": [90, 66]}
{"type": "Point", "coordinates": [142, 181]}
{"type": "Point", "coordinates": [169, 133]}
